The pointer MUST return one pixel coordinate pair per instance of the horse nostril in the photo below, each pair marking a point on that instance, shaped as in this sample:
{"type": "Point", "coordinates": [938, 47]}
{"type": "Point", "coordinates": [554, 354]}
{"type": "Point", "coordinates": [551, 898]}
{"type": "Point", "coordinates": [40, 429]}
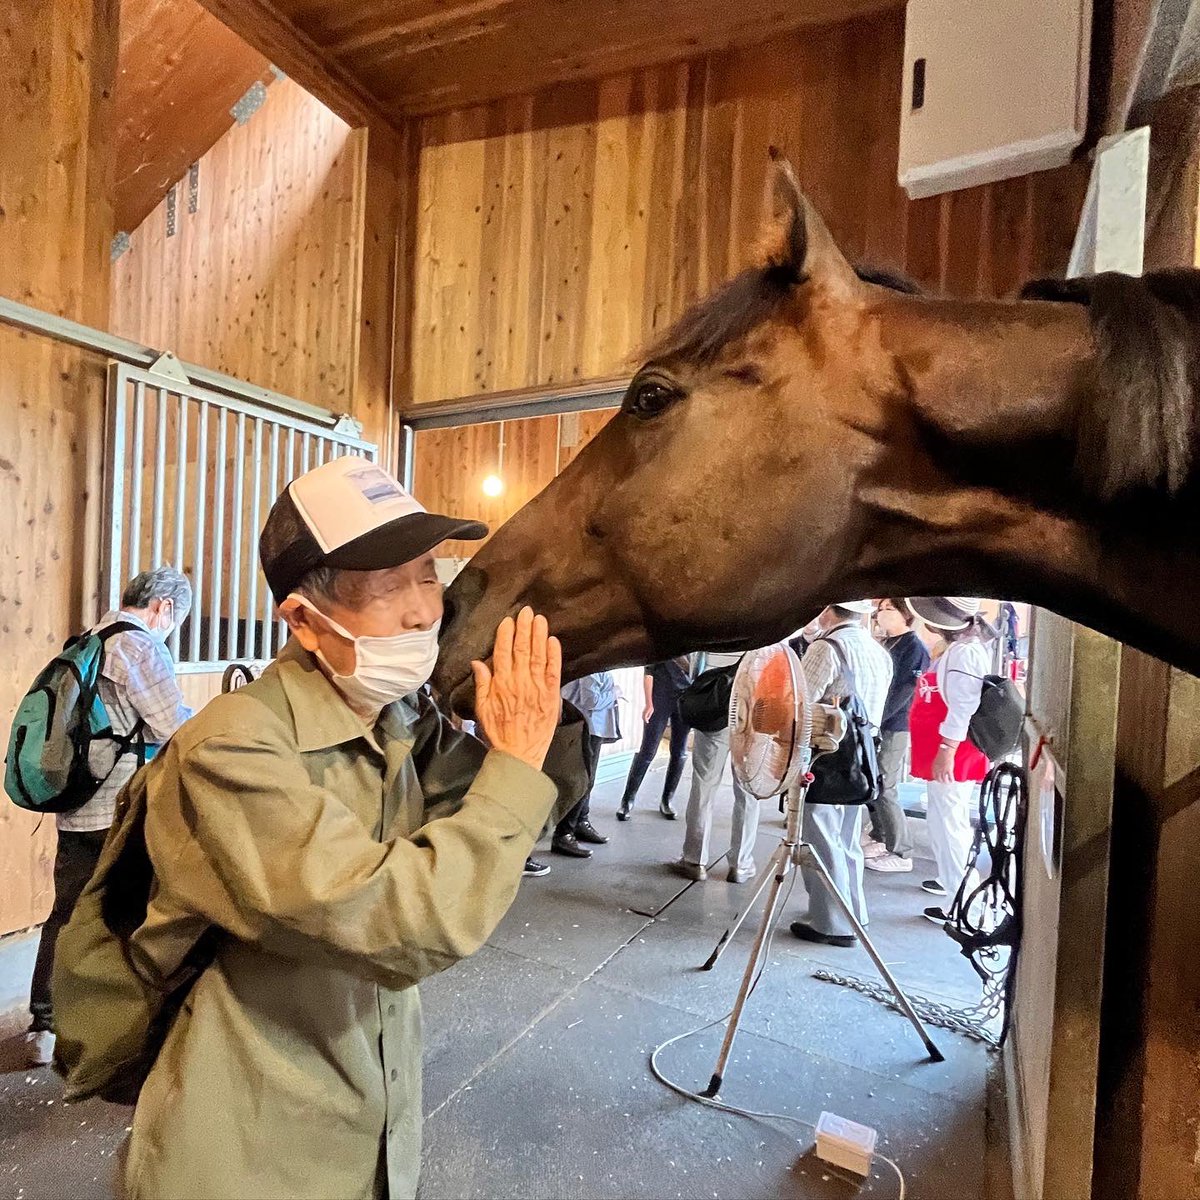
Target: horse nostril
{"type": "Point", "coordinates": [593, 530]}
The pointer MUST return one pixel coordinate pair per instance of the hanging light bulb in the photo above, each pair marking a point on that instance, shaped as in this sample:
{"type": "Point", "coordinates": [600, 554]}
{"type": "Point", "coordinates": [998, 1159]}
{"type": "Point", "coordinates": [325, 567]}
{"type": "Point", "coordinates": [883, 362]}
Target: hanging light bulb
{"type": "Point", "coordinates": [493, 484]}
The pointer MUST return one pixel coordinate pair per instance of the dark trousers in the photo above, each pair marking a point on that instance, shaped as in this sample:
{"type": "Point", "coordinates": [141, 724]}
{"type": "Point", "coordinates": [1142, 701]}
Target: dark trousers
{"type": "Point", "coordinates": [582, 810]}
{"type": "Point", "coordinates": [76, 859]}
{"type": "Point", "coordinates": [666, 712]}
{"type": "Point", "coordinates": [889, 825]}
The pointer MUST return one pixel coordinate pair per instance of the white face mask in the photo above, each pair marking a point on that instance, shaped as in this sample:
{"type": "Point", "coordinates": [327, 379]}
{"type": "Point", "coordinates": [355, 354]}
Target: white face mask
{"type": "Point", "coordinates": [162, 633]}
{"type": "Point", "coordinates": [386, 668]}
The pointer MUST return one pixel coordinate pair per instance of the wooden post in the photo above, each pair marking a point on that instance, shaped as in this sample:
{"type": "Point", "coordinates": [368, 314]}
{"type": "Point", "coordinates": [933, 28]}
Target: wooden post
{"type": "Point", "coordinates": [1148, 1114]}
{"type": "Point", "coordinates": [1147, 1133]}
{"type": "Point", "coordinates": [57, 67]}
{"type": "Point", "coordinates": [1051, 1056]}
{"type": "Point", "coordinates": [384, 301]}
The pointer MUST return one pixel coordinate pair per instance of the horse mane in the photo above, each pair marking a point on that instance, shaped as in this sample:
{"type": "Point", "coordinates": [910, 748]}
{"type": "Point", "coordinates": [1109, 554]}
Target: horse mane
{"type": "Point", "coordinates": [741, 305]}
{"type": "Point", "coordinates": [892, 280]}
{"type": "Point", "coordinates": [1137, 425]}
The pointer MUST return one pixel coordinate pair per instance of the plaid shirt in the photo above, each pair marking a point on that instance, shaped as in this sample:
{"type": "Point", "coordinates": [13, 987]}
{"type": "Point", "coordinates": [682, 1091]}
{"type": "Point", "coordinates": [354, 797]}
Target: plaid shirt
{"type": "Point", "coordinates": [137, 683]}
{"type": "Point", "coordinates": [870, 662]}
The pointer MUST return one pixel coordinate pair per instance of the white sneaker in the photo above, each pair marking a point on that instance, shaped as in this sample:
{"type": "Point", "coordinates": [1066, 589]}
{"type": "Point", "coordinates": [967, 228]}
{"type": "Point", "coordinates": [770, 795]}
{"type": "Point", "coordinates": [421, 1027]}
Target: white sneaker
{"type": "Point", "coordinates": [39, 1048]}
{"type": "Point", "coordinates": [872, 849]}
{"type": "Point", "coordinates": [890, 863]}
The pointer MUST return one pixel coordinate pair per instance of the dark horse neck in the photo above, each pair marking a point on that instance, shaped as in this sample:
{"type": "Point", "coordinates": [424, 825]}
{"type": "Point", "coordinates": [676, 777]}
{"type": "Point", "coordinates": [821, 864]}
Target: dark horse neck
{"type": "Point", "coordinates": [1037, 464]}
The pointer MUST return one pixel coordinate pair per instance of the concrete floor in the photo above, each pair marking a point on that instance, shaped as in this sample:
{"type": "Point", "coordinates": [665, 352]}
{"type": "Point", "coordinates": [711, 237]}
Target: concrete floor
{"type": "Point", "coordinates": [537, 1081]}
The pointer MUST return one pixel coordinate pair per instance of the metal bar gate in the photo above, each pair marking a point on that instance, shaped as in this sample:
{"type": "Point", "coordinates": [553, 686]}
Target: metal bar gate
{"type": "Point", "coordinates": [190, 476]}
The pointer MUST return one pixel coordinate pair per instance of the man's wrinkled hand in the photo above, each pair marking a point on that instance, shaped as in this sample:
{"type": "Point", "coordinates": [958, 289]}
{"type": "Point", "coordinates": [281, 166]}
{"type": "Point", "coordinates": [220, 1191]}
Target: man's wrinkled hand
{"type": "Point", "coordinates": [518, 699]}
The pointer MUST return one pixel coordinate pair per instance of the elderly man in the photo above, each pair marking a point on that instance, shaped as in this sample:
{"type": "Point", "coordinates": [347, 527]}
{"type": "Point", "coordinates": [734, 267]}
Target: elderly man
{"type": "Point", "coordinates": [844, 659]}
{"type": "Point", "coordinates": [344, 841]}
{"type": "Point", "coordinates": [145, 707]}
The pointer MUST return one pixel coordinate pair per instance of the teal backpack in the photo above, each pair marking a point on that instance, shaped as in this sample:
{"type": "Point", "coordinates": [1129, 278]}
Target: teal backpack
{"type": "Point", "coordinates": [46, 768]}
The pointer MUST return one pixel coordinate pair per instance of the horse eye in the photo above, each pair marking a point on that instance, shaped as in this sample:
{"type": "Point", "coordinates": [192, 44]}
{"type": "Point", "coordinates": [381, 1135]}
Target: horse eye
{"type": "Point", "coordinates": [650, 397]}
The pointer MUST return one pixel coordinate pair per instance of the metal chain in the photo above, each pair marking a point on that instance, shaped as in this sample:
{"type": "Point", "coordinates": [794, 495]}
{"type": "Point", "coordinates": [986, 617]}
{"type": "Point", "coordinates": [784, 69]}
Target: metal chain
{"type": "Point", "coordinates": [985, 920]}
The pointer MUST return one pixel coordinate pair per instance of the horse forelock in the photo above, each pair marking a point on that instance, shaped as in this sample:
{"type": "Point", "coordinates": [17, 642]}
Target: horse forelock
{"type": "Point", "coordinates": [1136, 426]}
{"type": "Point", "coordinates": [740, 306]}
{"type": "Point", "coordinates": [728, 315]}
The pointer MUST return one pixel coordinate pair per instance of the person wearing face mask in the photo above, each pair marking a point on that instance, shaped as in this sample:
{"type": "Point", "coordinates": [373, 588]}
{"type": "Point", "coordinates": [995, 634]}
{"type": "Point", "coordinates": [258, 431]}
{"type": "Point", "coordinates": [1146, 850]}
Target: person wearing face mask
{"type": "Point", "coordinates": [142, 699]}
{"type": "Point", "coordinates": [338, 840]}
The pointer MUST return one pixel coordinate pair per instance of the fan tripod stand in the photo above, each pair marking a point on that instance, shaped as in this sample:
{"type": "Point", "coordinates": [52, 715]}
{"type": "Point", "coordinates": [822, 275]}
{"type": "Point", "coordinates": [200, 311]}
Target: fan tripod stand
{"type": "Point", "coordinates": [790, 854]}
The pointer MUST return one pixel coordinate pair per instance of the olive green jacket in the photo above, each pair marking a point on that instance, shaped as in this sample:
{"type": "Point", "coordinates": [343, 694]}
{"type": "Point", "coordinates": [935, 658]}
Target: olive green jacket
{"type": "Point", "coordinates": [340, 864]}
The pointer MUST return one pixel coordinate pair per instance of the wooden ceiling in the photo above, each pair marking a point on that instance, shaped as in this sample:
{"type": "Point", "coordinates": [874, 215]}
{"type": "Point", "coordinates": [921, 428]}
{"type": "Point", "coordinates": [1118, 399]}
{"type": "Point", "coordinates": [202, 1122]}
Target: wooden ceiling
{"type": "Point", "coordinates": [389, 59]}
{"type": "Point", "coordinates": [179, 72]}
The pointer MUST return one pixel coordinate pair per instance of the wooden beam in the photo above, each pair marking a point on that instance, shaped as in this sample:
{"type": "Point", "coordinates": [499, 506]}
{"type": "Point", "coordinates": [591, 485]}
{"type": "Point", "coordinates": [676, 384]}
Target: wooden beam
{"type": "Point", "coordinates": [1183, 793]}
{"type": "Point", "coordinates": [261, 24]}
{"type": "Point", "coordinates": [1133, 50]}
{"type": "Point", "coordinates": [180, 72]}
{"type": "Point", "coordinates": [1140, 758]}
{"type": "Point", "coordinates": [387, 190]}
{"type": "Point", "coordinates": [1079, 968]}
{"type": "Point", "coordinates": [1171, 203]}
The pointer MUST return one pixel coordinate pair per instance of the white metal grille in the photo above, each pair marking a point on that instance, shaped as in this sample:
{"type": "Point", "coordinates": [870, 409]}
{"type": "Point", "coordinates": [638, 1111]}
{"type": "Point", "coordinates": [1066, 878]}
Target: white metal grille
{"type": "Point", "coordinates": [191, 476]}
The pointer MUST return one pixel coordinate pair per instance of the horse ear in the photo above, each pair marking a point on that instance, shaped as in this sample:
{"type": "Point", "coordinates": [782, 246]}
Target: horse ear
{"type": "Point", "coordinates": [785, 238]}
{"type": "Point", "coordinates": [795, 237]}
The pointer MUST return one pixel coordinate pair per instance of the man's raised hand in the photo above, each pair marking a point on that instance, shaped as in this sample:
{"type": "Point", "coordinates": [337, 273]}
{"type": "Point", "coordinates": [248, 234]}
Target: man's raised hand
{"type": "Point", "coordinates": [518, 699]}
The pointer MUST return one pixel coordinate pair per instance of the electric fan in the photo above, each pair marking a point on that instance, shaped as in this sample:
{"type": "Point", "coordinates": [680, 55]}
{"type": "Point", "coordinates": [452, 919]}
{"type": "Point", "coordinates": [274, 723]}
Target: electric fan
{"type": "Point", "coordinates": [770, 719]}
{"type": "Point", "coordinates": [775, 727]}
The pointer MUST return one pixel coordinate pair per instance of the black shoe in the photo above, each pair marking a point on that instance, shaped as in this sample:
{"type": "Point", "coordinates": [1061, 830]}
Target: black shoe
{"type": "Point", "coordinates": [568, 844]}
{"type": "Point", "coordinates": [936, 915]}
{"type": "Point", "coordinates": [933, 887]}
{"type": "Point", "coordinates": [585, 831]}
{"type": "Point", "coordinates": [664, 807]}
{"type": "Point", "coordinates": [535, 869]}
{"type": "Point", "coordinates": [807, 933]}
{"type": "Point", "coordinates": [623, 811]}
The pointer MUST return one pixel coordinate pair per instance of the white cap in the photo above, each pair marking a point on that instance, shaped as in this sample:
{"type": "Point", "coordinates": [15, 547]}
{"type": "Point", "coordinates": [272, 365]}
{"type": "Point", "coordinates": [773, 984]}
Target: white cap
{"type": "Point", "coordinates": [352, 514]}
{"type": "Point", "coordinates": [945, 612]}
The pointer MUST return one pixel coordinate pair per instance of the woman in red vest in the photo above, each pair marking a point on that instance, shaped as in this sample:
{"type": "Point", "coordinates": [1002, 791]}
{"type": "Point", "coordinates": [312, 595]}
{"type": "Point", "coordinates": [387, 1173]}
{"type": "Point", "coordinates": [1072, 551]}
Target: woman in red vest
{"type": "Point", "coordinates": [945, 701]}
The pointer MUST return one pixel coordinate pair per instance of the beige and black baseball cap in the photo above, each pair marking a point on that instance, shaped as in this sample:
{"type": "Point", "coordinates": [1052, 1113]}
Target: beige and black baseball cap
{"type": "Point", "coordinates": [351, 514]}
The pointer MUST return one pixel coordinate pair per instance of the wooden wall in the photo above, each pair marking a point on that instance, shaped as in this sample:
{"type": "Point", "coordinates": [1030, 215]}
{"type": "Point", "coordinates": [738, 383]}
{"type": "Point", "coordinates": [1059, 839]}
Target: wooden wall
{"type": "Point", "coordinates": [262, 281]}
{"type": "Point", "coordinates": [450, 465]}
{"type": "Point", "coordinates": [57, 64]}
{"type": "Point", "coordinates": [559, 234]}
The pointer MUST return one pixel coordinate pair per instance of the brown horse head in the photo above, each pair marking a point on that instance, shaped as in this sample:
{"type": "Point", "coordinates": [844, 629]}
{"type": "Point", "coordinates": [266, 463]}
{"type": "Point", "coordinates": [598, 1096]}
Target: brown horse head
{"type": "Point", "coordinates": [811, 434]}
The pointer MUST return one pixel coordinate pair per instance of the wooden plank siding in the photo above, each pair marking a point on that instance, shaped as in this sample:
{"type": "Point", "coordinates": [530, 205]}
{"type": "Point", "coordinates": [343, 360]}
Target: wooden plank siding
{"type": "Point", "coordinates": [60, 59]}
{"type": "Point", "coordinates": [559, 234]}
{"type": "Point", "coordinates": [272, 281]}
{"type": "Point", "coordinates": [262, 282]}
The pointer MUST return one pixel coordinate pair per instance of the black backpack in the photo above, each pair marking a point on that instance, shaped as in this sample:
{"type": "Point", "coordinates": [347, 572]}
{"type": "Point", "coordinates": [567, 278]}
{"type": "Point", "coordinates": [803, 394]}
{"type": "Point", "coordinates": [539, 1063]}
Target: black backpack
{"type": "Point", "coordinates": [849, 774]}
{"type": "Point", "coordinates": [996, 726]}
{"type": "Point", "coordinates": [705, 704]}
